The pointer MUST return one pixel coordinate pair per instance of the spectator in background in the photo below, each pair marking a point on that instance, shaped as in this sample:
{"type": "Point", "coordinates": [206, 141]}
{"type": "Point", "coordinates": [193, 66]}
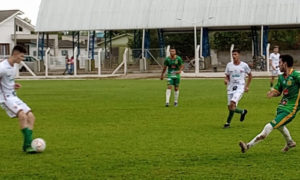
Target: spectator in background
{"type": "Point", "coordinates": [71, 65]}
{"type": "Point", "coordinates": [67, 64]}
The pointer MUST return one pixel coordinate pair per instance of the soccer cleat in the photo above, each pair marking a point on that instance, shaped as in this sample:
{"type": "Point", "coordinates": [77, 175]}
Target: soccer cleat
{"type": "Point", "coordinates": [243, 115]}
{"type": "Point", "coordinates": [227, 125]}
{"type": "Point", "coordinates": [175, 104]}
{"type": "Point", "coordinates": [288, 146]}
{"type": "Point", "coordinates": [244, 146]}
{"type": "Point", "coordinates": [167, 105]}
{"type": "Point", "coordinates": [30, 150]}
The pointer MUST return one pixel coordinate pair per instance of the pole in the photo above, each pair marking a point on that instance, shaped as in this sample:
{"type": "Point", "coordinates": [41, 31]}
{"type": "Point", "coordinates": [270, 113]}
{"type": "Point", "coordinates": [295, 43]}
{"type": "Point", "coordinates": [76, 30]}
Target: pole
{"type": "Point", "coordinates": [143, 50]}
{"type": "Point", "coordinates": [262, 41]}
{"type": "Point", "coordinates": [46, 62]}
{"type": "Point", "coordinates": [75, 61]}
{"type": "Point", "coordinates": [201, 48]}
{"type": "Point", "coordinates": [99, 61]}
{"type": "Point", "coordinates": [268, 57]}
{"type": "Point", "coordinates": [195, 45]}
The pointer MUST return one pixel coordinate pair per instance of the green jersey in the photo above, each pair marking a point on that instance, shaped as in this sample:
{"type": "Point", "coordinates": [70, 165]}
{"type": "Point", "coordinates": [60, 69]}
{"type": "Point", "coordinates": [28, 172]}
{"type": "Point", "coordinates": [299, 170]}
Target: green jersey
{"type": "Point", "coordinates": [289, 87]}
{"type": "Point", "coordinates": [173, 66]}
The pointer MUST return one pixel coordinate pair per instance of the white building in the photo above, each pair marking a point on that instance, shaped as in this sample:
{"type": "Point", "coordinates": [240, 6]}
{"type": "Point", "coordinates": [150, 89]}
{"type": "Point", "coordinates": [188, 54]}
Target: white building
{"type": "Point", "coordinates": [10, 24]}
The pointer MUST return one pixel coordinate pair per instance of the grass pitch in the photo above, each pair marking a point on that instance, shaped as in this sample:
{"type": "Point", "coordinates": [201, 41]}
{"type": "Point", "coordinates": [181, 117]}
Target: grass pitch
{"type": "Point", "coordinates": [120, 129]}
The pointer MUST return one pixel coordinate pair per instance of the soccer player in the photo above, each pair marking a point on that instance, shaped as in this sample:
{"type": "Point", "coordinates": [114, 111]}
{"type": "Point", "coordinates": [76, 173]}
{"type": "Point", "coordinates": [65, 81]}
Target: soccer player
{"type": "Point", "coordinates": [175, 65]}
{"type": "Point", "coordinates": [235, 74]}
{"type": "Point", "coordinates": [274, 62]}
{"type": "Point", "coordinates": [289, 85]}
{"type": "Point", "coordinates": [9, 101]}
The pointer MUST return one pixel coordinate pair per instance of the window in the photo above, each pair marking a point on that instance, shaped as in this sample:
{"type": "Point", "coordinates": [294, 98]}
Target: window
{"type": "Point", "coordinates": [19, 28]}
{"type": "Point", "coordinates": [64, 52]}
{"type": "Point", "coordinates": [4, 49]}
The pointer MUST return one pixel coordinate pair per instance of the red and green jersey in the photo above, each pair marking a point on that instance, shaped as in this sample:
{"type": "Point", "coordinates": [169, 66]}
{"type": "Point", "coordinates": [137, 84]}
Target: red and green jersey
{"type": "Point", "coordinates": [173, 66]}
{"type": "Point", "coordinates": [289, 88]}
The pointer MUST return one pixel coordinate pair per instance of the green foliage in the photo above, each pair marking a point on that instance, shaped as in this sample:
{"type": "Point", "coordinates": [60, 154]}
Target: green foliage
{"type": "Point", "coordinates": [286, 39]}
{"type": "Point", "coordinates": [120, 129]}
{"type": "Point", "coordinates": [223, 40]}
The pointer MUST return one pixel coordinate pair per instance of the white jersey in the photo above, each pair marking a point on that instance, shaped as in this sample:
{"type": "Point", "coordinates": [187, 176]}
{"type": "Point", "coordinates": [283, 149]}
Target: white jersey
{"type": "Point", "coordinates": [7, 80]}
{"type": "Point", "coordinates": [237, 75]}
{"type": "Point", "coordinates": [275, 59]}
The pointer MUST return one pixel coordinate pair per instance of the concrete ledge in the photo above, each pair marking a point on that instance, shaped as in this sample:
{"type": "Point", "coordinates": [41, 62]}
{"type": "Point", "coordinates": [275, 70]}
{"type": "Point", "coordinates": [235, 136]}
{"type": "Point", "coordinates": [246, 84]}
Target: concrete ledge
{"type": "Point", "coordinates": [142, 76]}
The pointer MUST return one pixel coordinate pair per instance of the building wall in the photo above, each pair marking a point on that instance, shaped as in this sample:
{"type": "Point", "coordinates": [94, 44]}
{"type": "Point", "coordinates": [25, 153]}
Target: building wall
{"type": "Point", "coordinates": [6, 30]}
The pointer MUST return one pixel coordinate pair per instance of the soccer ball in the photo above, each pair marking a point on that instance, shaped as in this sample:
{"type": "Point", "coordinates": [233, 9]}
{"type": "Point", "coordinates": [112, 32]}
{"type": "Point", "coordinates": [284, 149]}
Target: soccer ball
{"type": "Point", "coordinates": [38, 144]}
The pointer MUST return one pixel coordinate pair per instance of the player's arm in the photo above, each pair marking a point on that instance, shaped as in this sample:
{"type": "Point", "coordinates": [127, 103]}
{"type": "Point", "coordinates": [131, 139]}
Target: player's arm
{"type": "Point", "coordinates": [181, 66]}
{"type": "Point", "coordinates": [164, 69]}
{"type": "Point", "coordinates": [163, 72]}
{"type": "Point", "coordinates": [248, 82]}
{"type": "Point", "coordinates": [226, 79]}
{"type": "Point", "coordinates": [272, 64]}
{"type": "Point", "coordinates": [276, 91]}
{"type": "Point", "coordinates": [180, 69]}
{"type": "Point", "coordinates": [273, 93]}
{"type": "Point", "coordinates": [17, 86]}
{"type": "Point", "coordinates": [227, 76]}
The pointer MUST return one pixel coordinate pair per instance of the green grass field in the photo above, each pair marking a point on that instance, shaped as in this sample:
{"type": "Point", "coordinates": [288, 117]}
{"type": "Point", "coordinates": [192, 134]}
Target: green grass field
{"type": "Point", "coordinates": [120, 129]}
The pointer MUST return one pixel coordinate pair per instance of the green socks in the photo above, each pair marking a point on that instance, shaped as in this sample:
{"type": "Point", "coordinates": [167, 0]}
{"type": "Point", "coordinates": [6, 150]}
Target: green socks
{"type": "Point", "coordinates": [230, 115]}
{"type": "Point", "coordinates": [27, 133]}
{"type": "Point", "coordinates": [240, 111]}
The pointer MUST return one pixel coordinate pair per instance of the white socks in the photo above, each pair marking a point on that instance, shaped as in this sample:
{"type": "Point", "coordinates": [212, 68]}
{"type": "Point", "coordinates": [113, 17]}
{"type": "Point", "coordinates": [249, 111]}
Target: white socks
{"type": "Point", "coordinates": [168, 95]}
{"type": "Point", "coordinates": [176, 95]}
{"type": "Point", "coordinates": [265, 132]}
{"type": "Point", "coordinates": [286, 134]}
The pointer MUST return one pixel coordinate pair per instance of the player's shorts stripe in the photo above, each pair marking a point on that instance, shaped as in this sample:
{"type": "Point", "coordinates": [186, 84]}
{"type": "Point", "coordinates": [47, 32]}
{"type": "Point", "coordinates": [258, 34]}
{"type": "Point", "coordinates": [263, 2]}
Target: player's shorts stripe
{"type": "Point", "coordinates": [285, 119]}
{"type": "Point", "coordinates": [2, 89]}
{"type": "Point", "coordinates": [8, 108]}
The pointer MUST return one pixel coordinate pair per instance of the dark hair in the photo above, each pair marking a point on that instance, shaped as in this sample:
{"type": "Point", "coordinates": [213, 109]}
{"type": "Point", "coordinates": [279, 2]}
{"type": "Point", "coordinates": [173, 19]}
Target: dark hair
{"type": "Point", "coordinates": [276, 46]}
{"type": "Point", "coordinates": [236, 50]}
{"type": "Point", "coordinates": [172, 47]}
{"type": "Point", "coordinates": [19, 48]}
{"type": "Point", "coordinates": [288, 59]}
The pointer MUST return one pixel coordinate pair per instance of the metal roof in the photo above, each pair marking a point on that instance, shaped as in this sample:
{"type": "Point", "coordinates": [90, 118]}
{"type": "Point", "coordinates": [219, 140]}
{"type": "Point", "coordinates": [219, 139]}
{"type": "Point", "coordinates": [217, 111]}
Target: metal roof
{"type": "Point", "coordinates": [74, 15]}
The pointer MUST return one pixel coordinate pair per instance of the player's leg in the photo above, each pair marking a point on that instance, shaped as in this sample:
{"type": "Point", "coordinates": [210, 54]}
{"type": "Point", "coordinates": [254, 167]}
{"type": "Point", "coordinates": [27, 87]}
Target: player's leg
{"type": "Point", "coordinates": [26, 120]}
{"type": "Point", "coordinates": [31, 120]}
{"type": "Point", "coordinates": [26, 131]}
{"type": "Point", "coordinates": [272, 81]}
{"type": "Point", "coordinates": [30, 124]}
{"type": "Point", "coordinates": [290, 143]}
{"type": "Point", "coordinates": [168, 91]}
{"type": "Point", "coordinates": [281, 118]}
{"type": "Point", "coordinates": [230, 112]}
{"type": "Point", "coordinates": [261, 136]}
{"type": "Point", "coordinates": [176, 91]}
{"type": "Point", "coordinates": [233, 105]}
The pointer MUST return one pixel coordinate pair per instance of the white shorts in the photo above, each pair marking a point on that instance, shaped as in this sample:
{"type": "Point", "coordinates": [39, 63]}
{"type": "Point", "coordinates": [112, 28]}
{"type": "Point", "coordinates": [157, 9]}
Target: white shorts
{"type": "Point", "coordinates": [13, 105]}
{"type": "Point", "coordinates": [275, 72]}
{"type": "Point", "coordinates": [235, 97]}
